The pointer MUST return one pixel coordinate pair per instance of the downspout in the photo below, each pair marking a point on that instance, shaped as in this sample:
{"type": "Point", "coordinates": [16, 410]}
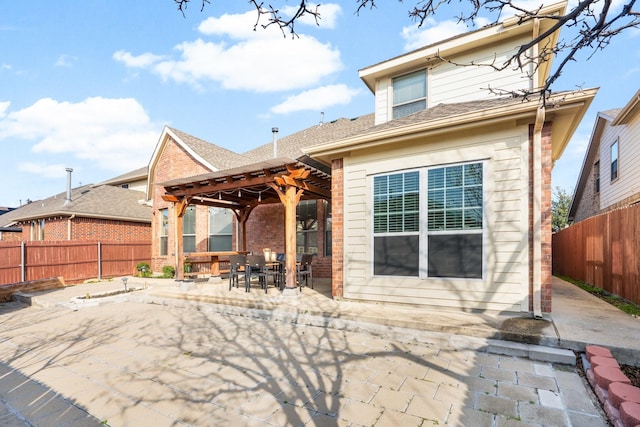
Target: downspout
{"type": "Point", "coordinates": [537, 187]}
{"type": "Point", "coordinates": [69, 226]}
{"type": "Point", "coordinates": [537, 212]}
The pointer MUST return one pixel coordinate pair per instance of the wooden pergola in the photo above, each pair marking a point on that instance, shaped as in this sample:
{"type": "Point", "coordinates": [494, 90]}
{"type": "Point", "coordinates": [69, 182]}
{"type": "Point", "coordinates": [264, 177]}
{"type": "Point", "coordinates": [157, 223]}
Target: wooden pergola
{"type": "Point", "coordinates": [241, 189]}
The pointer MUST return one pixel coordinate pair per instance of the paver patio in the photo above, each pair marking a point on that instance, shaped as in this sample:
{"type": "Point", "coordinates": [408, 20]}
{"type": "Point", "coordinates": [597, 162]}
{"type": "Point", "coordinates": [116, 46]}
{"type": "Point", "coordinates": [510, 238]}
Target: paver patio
{"type": "Point", "coordinates": [139, 364]}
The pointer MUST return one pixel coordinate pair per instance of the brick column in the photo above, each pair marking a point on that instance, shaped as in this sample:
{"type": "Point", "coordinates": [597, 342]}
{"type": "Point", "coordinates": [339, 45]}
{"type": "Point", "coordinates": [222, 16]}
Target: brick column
{"type": "Point", "coordinates": [337, 232]}
{"type": "Point", "coordinates": [546, 218]}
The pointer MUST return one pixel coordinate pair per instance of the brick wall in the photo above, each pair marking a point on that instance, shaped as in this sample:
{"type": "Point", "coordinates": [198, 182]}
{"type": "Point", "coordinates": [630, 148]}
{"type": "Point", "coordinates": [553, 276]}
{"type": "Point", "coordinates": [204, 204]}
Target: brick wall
{"type": "Point", "coordinates": [589, 203]}
{"type": "Point", "coordinates": [57, 229]}
{"type": "Point", "coordinates": [545, 208]}
{"type": "Point", "coordinates": [337, 207]}
{"type": "Point", "coordinates": [174, 162]}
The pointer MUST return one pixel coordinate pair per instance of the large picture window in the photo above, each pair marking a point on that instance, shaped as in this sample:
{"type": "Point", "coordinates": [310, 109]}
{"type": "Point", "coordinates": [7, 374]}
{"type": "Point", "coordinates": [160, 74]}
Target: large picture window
{"type": "Point", "coordinates": [435, 232]}
{"type": "Point", "coordinates": [454, 221]}
{"type": "Point", "coordinates": [409, 94]}
{"type": "Point", "coordinates": [220, 229]}
{"type": "Point", "coordinates": [396, 218]}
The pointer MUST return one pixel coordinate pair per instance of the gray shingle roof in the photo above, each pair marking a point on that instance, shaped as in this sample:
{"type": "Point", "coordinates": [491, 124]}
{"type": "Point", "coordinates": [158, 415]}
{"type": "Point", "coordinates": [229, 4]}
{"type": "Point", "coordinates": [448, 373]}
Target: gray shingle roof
{"type": "Point", "coordinates": [219, 157]}
{"type": "Point", "coordinates": [291, 145]}
{"type": "Point", "coordinates": [102, 201]}
{"type": "Point", "coordinates": [441, 111]}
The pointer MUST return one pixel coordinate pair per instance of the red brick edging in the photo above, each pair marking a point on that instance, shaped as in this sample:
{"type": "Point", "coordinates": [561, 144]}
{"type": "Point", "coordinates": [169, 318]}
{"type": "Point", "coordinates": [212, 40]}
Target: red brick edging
{"type": "Point", "coordinates": [620, 400]}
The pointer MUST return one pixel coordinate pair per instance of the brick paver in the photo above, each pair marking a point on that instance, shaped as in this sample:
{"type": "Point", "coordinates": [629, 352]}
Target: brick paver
{"type": "Point", "coordinates": [135, 364]}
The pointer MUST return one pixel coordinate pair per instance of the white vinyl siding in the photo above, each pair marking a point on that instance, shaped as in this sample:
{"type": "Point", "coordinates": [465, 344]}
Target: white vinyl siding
{"type": "Point", "coordinates": [452, 83]}
{"type": "Point", "coordinates": [448, 83]}
{"type": "Point", "coordinates": [628, 182]}
{"type": "Point", "coordinates": [504, 284]}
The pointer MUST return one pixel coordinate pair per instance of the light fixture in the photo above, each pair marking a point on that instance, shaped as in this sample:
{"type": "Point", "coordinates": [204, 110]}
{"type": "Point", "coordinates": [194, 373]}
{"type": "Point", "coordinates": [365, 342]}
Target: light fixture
{"type": "Point", "coordinates": [260, 196]}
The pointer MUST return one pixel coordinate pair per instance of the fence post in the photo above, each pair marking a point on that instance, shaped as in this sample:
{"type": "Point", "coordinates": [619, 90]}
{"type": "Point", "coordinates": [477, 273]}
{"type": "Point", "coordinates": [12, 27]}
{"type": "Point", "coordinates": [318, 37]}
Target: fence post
{"type": "Point", "coordinates": [22, 261]}
{"type": "Point", "coordinates": [99, 261]}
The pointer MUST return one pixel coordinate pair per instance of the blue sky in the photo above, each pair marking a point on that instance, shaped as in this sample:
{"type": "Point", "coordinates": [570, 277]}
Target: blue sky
{"type": "Point", "coordinates": [90, 84]}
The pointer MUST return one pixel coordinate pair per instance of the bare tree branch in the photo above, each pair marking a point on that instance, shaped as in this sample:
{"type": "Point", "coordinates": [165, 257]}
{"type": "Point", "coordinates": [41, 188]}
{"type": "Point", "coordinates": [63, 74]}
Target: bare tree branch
{"type": "Point", "coordinates": [594, 22]}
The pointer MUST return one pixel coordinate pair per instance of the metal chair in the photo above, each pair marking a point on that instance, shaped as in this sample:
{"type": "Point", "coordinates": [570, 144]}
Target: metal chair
{"type": "Point", "coordinates": [304, 270]}
{"type": "Point", "coordinates": [255, 267]}
{"type": "Point", "coordinates": [236, 268]}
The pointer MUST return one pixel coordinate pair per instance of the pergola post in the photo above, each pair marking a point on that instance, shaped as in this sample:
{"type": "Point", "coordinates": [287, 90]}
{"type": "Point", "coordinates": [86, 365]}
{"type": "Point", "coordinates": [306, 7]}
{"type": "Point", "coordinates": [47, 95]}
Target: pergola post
{"type": "Point", "coordinates": [179, 209]}
{"type": "Point", "coordinates": [291, 199]}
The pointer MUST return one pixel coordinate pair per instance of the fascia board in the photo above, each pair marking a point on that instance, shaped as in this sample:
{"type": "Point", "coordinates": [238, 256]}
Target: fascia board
{"type": "Point", "coordinates": [510, 27]}
{"type": "Point", "coordinates": [629, 110]}
{"type": "Point", "coordinates": [162, 142]}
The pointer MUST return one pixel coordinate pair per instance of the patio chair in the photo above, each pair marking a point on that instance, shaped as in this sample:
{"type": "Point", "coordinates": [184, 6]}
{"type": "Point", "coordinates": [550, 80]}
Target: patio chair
{"type": "Point", "coordinates": [255, 267]}
{"type": "Point", "coordinates": [236, 268]}
{"type": "Point", "coordinates": [304, 270]}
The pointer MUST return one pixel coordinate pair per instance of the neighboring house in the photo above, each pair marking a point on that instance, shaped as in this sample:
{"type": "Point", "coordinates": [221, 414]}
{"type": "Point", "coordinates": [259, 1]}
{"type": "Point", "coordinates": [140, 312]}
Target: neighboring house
{"type": "Point", "coordinates": [610, 174]}
{"type": "Point", "coordinates": [89, 212]}
{"type": "Point", "coordinates": [442, 196]}
{"type": "Point", "coordinates": [135, 180]}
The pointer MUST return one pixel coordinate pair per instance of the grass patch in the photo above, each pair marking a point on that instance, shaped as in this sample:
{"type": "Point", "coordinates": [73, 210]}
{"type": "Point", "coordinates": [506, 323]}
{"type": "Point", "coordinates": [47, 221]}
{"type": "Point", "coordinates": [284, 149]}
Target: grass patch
{"type": "Point", "coordinates": [620, 303]}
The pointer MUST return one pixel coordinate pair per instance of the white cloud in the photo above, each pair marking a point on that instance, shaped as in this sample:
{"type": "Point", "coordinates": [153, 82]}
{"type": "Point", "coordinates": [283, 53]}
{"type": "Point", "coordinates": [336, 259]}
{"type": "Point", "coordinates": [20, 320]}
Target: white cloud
{"type": "Point", "coordinates": [243, 59]}
{"type": "Point", "coordinates": [140, 61]}
{"type": "Point", "coordinates": [433, 32]}
{"type": "Point", "coordinates": [317, 99]}
{"type": "Point", "coordinates": [6, 66]}
{"type": "Point", "coordinates": [65, 60]}
{"type": "Point", "coordinates": [114, 134]}
{"type": "Point", "coordinates": [44, 170]}
{"type": "Point", "coordinates": [4, 106]}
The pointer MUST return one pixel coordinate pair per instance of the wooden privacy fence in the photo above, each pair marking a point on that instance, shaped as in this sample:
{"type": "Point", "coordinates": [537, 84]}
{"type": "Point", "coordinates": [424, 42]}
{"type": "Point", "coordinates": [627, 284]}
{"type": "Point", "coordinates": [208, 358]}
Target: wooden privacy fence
{"type": "Point", "coordinates": [602, 251]}
{"type": "Point", "coordinates": [75, 261]}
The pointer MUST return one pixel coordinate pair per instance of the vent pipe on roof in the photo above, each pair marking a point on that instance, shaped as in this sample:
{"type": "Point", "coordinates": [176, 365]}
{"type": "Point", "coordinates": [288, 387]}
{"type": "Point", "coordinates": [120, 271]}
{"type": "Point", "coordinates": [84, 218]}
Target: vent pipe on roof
{"type": "Point", "coordinates": [321, 118]}
{"type": "Point", "coordinates": [67, 199]}
{"type": "Point", "coordinates": [275, 142]}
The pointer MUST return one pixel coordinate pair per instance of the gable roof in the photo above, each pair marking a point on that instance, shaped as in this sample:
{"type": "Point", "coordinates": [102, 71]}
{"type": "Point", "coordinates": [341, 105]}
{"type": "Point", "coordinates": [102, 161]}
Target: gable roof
{"type": "Point", "coordinates": [628, 111]}
{"type": "Point", "coordinates": [469, 42]}
{"type": "Point", "coordinates": [211, 156]}
{"type": "Point", "coordinates": [89, 201]}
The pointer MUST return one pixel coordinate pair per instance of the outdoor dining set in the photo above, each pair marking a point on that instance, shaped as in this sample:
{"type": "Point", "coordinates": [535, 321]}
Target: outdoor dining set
{"type": "Point", "coordinates": [265, 266]}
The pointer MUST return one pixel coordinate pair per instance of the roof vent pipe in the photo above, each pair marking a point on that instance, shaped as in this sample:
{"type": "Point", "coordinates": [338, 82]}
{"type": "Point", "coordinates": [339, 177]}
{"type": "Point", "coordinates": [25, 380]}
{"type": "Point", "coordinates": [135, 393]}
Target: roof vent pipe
{"type": "Point", "coordinates": [67, 199]}
{"type": "Point", "coordinates": [275, 142]}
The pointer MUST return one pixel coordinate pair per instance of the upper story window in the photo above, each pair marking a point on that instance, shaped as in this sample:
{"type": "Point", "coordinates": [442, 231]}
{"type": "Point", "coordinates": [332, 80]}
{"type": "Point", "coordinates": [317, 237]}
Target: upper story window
{"type": "Point", "coordinates": [596, 177]}
{"type": "Point", "coordinates": [409, 94]}
{"type": "Point", "coordinates": [614, 160]}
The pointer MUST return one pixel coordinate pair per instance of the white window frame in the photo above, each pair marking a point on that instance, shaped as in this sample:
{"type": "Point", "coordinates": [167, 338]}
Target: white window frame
{"type": "Point", "coordinates": [616, 144]}
{"type": "Point", "coordinates": [210, 234]}
{"type": "Point", "coordinates": [393, 105]}
{"type": "Point", "coordinates": [423, 232]}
